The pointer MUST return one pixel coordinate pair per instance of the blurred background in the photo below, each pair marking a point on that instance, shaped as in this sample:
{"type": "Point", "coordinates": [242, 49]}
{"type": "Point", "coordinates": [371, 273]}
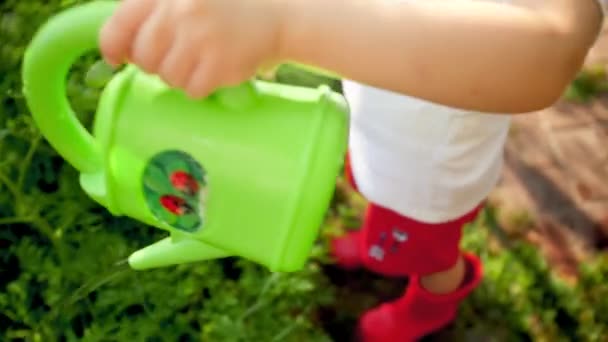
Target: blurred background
{"type": "Point", "coordinates": [542, 237]}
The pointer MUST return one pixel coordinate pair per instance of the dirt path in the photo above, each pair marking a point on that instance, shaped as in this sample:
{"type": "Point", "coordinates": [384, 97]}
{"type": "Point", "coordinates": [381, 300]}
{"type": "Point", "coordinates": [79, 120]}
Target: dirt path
{"type": "Point", "coordinates": [555, 185]}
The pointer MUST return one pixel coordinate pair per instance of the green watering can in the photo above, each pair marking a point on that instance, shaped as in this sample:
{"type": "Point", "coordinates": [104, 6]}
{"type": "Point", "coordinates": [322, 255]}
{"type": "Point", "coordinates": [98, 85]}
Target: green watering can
{"type": "Point", "coordinates": [248, 171]}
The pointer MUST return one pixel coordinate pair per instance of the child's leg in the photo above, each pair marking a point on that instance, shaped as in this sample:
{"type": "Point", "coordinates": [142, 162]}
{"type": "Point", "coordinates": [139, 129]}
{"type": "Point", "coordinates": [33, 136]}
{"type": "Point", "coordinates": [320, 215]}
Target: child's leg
{"type": "Point", "coordinates": [394, 245]}
{"type": "Point", "coordinates": [441, 275]}
{"type": "Point", "coordinates": [391, 244]}
{"type": "Point", "coordinates": [445, 281]}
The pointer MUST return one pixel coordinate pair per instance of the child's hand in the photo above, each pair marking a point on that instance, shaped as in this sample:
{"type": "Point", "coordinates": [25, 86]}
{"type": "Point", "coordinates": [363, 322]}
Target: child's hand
{"type": "Point", "coordinates": [196, 45]}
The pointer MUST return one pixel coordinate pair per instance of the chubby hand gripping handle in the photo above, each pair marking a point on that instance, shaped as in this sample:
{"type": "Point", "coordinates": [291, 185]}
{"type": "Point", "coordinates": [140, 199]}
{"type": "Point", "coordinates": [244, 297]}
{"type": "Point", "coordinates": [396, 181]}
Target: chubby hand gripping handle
{"type": "Point", "coordinates": [47, 61]}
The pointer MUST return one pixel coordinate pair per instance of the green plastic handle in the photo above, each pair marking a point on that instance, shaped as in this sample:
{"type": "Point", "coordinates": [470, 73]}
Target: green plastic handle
{"type": "Point", "coordinates": [47, 62]}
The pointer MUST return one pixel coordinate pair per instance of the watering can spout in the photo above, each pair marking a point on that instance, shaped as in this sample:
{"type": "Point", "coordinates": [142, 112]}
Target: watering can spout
{"type": "Point", "coordinates": [168, 252]}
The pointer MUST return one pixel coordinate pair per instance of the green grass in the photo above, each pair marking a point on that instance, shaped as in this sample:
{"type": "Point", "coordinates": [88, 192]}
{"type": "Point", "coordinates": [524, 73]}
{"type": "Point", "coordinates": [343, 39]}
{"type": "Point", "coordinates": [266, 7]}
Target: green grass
{"type": "Point", "coordinates": [63, 277]}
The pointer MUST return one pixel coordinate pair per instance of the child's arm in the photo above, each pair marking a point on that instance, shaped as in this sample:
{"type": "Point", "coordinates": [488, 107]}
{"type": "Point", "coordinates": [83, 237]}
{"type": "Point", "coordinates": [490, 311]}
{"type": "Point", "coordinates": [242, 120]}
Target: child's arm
{"type": "Point", "coordinates": [469, 54]}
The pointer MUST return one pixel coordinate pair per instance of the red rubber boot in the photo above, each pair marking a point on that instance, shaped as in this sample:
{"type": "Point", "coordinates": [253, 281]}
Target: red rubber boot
{"type": "Point", "coordinates": [346, 251]}
{"type": "Point", "coordinates": [419, 312]}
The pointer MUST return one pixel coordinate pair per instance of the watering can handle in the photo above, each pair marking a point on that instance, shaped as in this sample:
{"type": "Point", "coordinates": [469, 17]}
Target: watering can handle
{"type": "Point", "coordinates": [47, 62]}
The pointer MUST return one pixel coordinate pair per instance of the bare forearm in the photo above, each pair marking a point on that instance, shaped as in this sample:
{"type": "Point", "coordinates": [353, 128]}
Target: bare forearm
{"type": "Point", "coordinates": [473, 55]}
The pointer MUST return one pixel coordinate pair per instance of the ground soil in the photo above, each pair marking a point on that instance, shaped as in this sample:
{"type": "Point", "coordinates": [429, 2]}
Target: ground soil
{"type": "Point", "coordinates": [554, 188]}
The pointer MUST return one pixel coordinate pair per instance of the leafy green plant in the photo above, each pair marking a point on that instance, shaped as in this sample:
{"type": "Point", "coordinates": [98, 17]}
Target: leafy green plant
{"type": "Point", "coordinates": [522, 299]}
{"type": "Point", "coordinates": [590, 82]}
{"type": "Point", "coordinates": [63, 275]}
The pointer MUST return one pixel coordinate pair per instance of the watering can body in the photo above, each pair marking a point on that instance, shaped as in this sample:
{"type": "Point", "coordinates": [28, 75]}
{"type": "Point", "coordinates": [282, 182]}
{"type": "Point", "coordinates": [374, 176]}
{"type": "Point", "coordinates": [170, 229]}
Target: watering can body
{"type": "Point", "coordinates": [248, 171]}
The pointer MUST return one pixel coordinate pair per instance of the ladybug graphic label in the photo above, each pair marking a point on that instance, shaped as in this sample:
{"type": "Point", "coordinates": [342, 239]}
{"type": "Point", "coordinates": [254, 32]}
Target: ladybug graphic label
{"type": "Point", "coordinates": [175, 189]}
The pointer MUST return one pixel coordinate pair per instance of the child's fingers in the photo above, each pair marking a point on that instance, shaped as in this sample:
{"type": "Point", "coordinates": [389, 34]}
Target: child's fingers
{"type": "Point", "coordinates": [204, 79]}
{"type": "Point", "coordinates": [119, 32]}
{"type": "Point", "coordinates": [179, 62]}
{"type": "Point", "coordinates": [153, 41]}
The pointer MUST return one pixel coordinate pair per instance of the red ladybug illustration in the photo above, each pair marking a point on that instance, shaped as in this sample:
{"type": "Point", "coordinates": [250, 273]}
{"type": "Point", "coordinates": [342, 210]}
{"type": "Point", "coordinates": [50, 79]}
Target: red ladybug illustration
{"type": "Point", "coordinates": [175, 205]}
{"type": "Point", "coordinates": [184, 182]}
